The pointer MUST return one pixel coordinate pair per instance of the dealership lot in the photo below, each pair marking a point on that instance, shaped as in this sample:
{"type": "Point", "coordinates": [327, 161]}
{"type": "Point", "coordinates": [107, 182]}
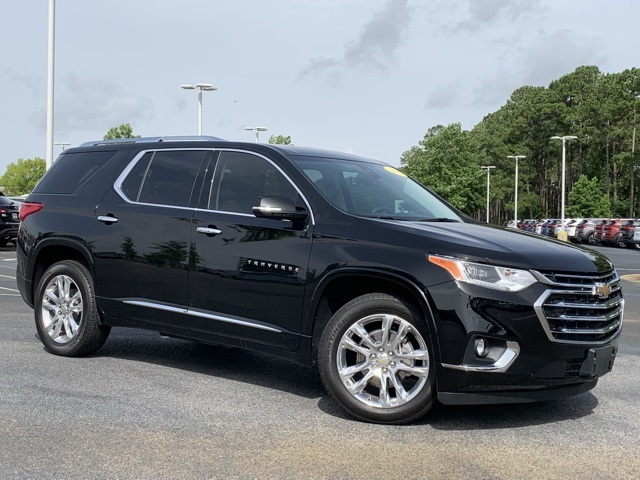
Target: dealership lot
{"type": "Point", "coordinates": [150, 407]}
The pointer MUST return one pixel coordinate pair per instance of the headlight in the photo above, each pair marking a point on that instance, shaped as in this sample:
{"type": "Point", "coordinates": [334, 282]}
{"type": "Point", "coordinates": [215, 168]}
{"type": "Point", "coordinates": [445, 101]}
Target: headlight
{"type": "Point", "coordinates": [498, 278]}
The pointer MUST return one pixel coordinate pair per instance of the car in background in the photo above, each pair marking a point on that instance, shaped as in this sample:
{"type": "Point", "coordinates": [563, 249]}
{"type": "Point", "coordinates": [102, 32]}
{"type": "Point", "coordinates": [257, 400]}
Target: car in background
{"type": "Point", "coordinates": [571, 227]}
{"type": "Point", "coordinates": [539, 225]}
{"type": "Point", "coordinates": [551, 227]}
{"type": "Point", "coordinates": [636, 236]}
{"type": "Point", "coordinates": [512, 224]}
{"type": "Point", "coordinates": [527, 225]}
{"type": "Point", "coordinates": [9, 220]}
{"type": "Point", "coordinates": [626, 236]}
{"type": "Point", "coordinates": [599, 227]}
{"type": "Point", "coordinates": [568, 223]}
{"type": "Point", "coordinates": [611, 231]}
{"type": "Point", "coordinates": [585, 231]}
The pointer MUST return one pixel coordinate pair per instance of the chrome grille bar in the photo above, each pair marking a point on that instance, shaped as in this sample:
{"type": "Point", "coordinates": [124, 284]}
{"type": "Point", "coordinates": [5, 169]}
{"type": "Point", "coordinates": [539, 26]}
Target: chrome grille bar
{"type": "Point", "coordinates": [580, 309]}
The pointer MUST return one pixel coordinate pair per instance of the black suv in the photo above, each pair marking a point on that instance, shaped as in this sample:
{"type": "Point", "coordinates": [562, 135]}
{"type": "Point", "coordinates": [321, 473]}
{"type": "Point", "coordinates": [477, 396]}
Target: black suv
{"type": "Point", "coordinates": [9, 220]}
{"type": "Point", "coordinates": [322, 257]}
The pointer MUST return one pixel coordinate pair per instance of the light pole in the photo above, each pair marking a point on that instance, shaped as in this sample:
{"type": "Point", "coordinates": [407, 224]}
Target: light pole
{"type": "Point", "coordinates": [515, 201]}
{"type": "Point", "coordinates": [63, 144]}
{"type": "Point", "coordinates": [632, 210]}
{"type": "Point", "coordinates": [50, 78]}
{"type": "Point", "coordinates": [200, 87]}
{"type": "Point", "coordinates": [563, 234]}
{"type": "Point", "coordinates": [258, 130]}
{"type": "Point", "coordinates": [488, 169]}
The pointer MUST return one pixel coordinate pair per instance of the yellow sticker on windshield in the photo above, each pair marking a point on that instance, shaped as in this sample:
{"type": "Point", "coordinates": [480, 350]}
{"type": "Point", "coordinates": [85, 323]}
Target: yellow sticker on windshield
{"type": "Point", "coordinates": [393, 170]}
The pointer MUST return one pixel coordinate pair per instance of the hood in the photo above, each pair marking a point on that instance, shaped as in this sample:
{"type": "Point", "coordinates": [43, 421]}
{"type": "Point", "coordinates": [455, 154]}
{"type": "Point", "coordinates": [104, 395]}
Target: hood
{"type": "Point", "coordinates": [505, 247]}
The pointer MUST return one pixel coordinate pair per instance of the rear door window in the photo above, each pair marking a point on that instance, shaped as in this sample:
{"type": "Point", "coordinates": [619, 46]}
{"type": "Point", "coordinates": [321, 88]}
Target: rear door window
{"type": "Point", "coordinates": [166, 177]}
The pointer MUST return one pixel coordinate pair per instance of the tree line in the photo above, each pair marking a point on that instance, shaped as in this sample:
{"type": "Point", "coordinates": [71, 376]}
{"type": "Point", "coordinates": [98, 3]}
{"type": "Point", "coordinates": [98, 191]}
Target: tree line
{"type": "Point", "coordinates": [601, 164]}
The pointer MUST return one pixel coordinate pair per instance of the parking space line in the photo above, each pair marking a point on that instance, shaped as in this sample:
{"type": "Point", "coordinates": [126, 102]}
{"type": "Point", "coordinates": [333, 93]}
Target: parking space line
{"type": "Point", "coordinates": [7, 276]}
{"type": "Point", "coordinates": [10, 289]}
{"type": "Point", "coordinates": [9, 260]}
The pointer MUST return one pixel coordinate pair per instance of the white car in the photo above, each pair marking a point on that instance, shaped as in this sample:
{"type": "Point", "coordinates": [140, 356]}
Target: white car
{"type": "Point", "coordinates": [567, 221]}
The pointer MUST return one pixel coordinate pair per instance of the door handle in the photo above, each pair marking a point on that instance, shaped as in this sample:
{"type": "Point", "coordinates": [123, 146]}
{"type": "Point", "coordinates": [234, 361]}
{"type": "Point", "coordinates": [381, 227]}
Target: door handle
{"type": "Point", "coordinates": [208, 230]}
{"type": "Point", "coordinates": [107, 219]}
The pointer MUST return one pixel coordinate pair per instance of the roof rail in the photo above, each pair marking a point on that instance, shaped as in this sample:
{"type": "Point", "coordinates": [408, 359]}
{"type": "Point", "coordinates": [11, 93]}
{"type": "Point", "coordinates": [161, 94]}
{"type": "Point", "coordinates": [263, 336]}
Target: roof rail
{"type": "Point", "coordinates": [185, 138]}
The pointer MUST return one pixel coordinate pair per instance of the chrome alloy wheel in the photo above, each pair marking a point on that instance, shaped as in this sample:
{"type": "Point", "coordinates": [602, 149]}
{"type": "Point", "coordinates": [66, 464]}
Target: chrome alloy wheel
{"type": "Point", "coordinates": [61, 309]}
{"type": "Point", "coordinates": [383, 361]}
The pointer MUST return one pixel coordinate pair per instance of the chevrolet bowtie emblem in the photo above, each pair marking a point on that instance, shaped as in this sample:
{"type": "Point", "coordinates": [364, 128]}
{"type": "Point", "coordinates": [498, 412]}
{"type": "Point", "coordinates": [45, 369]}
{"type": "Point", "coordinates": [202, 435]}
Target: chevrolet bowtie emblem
{"type": "Point", "coordinates": [601, 290]}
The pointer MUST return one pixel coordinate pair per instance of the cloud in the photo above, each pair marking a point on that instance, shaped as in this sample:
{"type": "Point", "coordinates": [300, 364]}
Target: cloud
{"type": "Point", "coordinates": [32, 85]}
{"type": "Point", "coordinates": [374, 48]}
{"type": "Point", "coordinates": [558, 54]}
{"type": "Point", "coordinates": [444, 96]}
{"type": "Point", "coordinates": [484, 13]}
{"type": "Point", "coordinates": [97, 103]}
{"type": "Point", "coordinates": [547, 58]}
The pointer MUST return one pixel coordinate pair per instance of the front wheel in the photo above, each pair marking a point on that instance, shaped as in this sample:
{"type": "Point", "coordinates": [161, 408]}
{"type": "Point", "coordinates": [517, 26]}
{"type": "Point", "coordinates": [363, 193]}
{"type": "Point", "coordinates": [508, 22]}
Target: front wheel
{"type": "Point", "coordinates": [592, 239]}
{"type": "Point", "coordinates": [375, 360]}
{"type": "Point", "coordinates": [66, 314]}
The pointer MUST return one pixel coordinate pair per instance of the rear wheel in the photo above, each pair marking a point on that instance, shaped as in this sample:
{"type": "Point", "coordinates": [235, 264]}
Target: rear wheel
{"type": "Point", "coordinates": [66, 313]}
{"type": "Point", "coordinates": [591, 239]}
{"type": "Point", "coordinates": [620, 242]}
{"type": "Point", "coordinates": [375, 360]}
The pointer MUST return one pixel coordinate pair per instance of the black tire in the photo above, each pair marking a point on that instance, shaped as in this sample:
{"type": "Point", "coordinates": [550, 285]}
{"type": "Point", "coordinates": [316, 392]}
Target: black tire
{"type": "Point", "coordinates": [3, 243]}
{"type": "Point", "coordinates": [65, 310]}
{"type": "Point", "coordinates": [405, 365]}
{"type": "Point", "coordinates": [620, 243]}
{"type": "Point", "coordinates": [591, 239]}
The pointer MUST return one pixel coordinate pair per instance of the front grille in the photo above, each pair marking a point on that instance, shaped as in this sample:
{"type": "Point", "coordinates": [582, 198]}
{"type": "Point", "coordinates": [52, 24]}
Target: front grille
{"type": "Point", "coordinates": [580, 308]}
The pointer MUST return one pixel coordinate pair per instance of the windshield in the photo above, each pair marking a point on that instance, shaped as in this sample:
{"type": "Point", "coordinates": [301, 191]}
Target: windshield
{"type": "Point", "coordinates": [373, 190]}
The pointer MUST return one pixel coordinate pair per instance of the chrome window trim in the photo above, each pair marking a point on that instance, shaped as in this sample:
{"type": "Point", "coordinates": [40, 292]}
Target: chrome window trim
{"type": "Point", "coordinates": [117, 185]}
{"type": "Point", "coordinates": [501, 365]}
{"type": "Point", "coordinates": [239, 150]}
{"type": "Point", "coordinates": [201, 314]}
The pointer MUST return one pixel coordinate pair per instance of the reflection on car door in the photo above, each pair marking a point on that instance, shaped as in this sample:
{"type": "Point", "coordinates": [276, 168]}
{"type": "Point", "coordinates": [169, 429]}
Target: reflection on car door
{"type": "Point", "coordinates": [141, 234]}
{"type": "Point", "coordinates": [248, 274]}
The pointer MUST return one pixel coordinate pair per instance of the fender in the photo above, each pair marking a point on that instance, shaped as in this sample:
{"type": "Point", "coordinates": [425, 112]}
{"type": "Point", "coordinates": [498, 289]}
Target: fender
{"type": "Point", "coordinates": [74, 243]}
{"type": "Point", "coordinates": [402, 281]}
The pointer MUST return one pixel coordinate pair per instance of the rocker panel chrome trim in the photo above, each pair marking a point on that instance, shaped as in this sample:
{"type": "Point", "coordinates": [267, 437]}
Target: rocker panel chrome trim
{"type": "Point", "coordinates": [197, 313]}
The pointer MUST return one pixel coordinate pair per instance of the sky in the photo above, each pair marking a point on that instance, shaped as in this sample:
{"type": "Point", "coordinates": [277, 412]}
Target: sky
{"type": "Point", "coordinates": [368, 77]}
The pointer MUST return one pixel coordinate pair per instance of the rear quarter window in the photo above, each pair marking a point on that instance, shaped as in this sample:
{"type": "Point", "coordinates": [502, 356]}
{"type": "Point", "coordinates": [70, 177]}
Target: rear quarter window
{"type": "Point", "coordinates": [71, 170]}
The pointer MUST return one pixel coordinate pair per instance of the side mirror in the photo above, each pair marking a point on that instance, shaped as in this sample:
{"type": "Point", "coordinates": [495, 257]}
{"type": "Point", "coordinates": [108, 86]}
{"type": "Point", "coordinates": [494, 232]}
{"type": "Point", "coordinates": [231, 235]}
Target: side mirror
{"type": "Point", "coordinates": [280, 208]}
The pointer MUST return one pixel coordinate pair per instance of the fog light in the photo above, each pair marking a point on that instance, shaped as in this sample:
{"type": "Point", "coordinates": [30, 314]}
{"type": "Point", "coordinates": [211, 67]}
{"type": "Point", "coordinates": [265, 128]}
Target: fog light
{"type": "Point", "coordinates": [481, 347]}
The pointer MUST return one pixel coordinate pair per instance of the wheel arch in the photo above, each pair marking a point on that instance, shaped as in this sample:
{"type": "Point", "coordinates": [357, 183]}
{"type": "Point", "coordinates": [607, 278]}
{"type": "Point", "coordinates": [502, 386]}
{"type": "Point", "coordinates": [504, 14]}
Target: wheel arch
{"type": "Point", "coordinates": [53, 250]}
{"type": "Point", "coordinates": [344, 285]}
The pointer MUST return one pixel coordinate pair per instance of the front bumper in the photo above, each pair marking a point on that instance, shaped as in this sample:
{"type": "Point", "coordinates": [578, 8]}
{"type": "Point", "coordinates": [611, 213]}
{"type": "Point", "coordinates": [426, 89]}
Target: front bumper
{"type": "Point", "coordinates": [534, 358]}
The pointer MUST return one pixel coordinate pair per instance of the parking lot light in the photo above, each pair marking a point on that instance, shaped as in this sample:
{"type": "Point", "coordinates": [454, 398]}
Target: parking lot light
{"type": "Point", "coordinates": [515, 198]}
{"type": "Point", "coordinates": [258, 130]}
{"type": "Point", "coordinates": [200, 87]}
{"type": "Point", "coordinates": [488, 169]}
{"type": "Point", "coordinates": [562, 235]}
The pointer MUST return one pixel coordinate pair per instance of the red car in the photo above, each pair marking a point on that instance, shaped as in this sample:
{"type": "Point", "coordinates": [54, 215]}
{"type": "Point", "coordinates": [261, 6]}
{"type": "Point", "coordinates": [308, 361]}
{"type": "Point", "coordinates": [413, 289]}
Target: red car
{"type": "Point", "coordinates": [611, 232]}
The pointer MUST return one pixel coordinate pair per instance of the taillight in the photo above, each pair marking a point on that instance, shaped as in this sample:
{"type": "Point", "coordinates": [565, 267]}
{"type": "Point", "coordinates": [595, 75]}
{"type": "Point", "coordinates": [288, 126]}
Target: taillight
{"type": "Point", "coordinates": [27, 208]}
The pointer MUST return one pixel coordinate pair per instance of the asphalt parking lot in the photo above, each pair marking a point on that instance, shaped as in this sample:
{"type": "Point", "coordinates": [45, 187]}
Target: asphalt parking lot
{"type": "Point", "coordinates": [150, 407]}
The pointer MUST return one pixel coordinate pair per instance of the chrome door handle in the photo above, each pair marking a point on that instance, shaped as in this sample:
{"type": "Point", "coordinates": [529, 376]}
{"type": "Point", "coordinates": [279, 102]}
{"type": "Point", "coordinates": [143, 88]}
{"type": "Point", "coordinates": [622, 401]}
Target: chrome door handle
{"type": "Point", "coordinates": [208, 230]}
{"type": "Point", "coordinates": [107, 219]}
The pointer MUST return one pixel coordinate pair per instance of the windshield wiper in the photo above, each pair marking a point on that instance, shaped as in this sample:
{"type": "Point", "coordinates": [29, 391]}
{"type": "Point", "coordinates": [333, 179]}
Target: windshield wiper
{"type": "Point", "coordinates": [439, 219]}
{"type": "Point", "coordinates": [385, 217]}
